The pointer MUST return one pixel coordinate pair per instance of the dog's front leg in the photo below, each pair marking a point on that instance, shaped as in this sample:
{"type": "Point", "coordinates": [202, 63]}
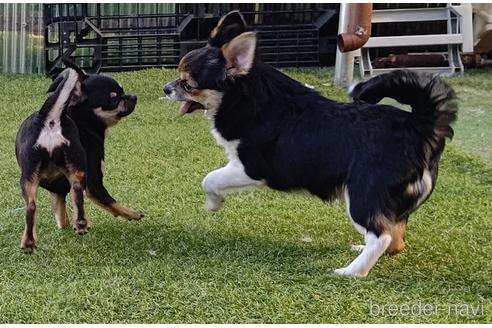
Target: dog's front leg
{"type": "Point", "coordinates": [228, 178]}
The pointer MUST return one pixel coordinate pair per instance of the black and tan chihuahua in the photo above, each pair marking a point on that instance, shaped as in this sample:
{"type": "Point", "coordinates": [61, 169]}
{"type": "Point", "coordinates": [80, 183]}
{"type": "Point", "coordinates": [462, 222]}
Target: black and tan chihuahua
{"type": "Point", "coordinates": [61, 148]}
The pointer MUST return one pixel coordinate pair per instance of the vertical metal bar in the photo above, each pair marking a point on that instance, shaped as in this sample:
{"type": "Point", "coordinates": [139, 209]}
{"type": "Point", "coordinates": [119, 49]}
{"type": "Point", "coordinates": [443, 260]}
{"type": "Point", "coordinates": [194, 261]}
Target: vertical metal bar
{"type": "Point", "coordinates": [139, 38]}
{"type": "Point", "coordinates": [5, 37]}
{"type": "Point", "coordinates": [118, 18]}
{"type": "Point", "coordinates": [13, 39]}
{"type": "Point", "coordinates": [31, 37]}
{"type": "Point", "coordinates": [98, 13]}
{"type": "Point", "coordinates": [466, 26]}
{"type": "Point", "coordinates": [22, 40]}
{"type": "Point", "coordinates": [40, 64]}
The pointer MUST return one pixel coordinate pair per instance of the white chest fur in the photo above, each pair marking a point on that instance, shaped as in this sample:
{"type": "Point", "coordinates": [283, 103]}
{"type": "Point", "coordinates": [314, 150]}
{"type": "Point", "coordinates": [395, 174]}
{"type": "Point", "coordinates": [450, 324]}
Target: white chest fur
{"type": "Point", "coordinates": [230, 147]}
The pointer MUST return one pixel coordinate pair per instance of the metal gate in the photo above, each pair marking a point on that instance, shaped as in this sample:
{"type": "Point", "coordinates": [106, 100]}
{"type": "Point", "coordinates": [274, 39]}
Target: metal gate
{"type": "Point", "coordinates": [118, 37]}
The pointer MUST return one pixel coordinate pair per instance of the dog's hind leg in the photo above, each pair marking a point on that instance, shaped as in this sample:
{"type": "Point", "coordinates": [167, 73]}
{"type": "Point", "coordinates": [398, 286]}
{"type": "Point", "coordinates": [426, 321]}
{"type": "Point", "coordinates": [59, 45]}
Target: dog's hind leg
{"type": "Point", "coordinates": [97, 192]}
{"type": "Point", "coordinates": [228, 178]}
{"type": "Point", "coordinates": [391, 240]}
{"type": "Point", "coordinates": [378, 239]}
{"type": "Point", "coordinates": [58, 204]}
{"type": "Point", "coordinates": [112, 206]}
{"type": "Point", "coordinates": [29, 192]}
{"type": "Point", "coordinates": [78, 181]}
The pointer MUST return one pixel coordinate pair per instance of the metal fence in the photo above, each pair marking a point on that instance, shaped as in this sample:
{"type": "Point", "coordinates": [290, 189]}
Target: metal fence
{"type": "Point", "coordinates": [21, 38]}
{"type": "Point", "coordinates": [117, 37]}
{"type": "Point", "coordinates": [23, 48]}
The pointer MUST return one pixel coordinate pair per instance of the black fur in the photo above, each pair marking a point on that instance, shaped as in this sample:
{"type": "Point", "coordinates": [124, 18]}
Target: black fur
{"type": "Point", "coordinates": [295, 139]}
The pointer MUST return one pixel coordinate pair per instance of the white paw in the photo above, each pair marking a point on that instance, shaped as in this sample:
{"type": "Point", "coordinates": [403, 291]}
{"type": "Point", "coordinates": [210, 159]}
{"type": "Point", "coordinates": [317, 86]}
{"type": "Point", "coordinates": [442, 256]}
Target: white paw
{"type": "Point", "coordinates": [347, 272]}
{"type": "Point", "coordinates": [357, 248]}
{"type": "Point", "coordinates": [212, 204]}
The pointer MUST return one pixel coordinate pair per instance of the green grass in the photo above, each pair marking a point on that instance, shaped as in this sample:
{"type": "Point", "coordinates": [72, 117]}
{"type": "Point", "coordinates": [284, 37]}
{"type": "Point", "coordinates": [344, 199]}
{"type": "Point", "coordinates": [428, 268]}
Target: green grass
{"type": "Point", "coordinates": [473, 127]}
{"type": "Point", "coordinates": [266, 257]}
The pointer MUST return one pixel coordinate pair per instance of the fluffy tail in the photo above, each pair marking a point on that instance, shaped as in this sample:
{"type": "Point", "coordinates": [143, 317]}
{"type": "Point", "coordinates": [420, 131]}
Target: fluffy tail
{"type": "Point", "coordinates": [59, 98]}
{"type": "Point", "coordinates": [432, 100]}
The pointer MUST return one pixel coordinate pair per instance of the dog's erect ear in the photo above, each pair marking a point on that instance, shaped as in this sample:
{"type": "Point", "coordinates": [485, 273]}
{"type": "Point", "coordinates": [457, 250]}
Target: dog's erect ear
{"type": "Point", "coordinates": [58, 78]}
{"type": "Point", "coordinates": [230, 26]}
{"type": "Point", "coordinates": [240, 54]}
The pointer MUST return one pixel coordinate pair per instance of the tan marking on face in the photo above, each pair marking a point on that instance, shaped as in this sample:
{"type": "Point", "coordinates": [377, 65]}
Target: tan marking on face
{"type": "Point", "coordinates": [185, 76]}
{"type": "Point", "coordinates": [210, 99]}
{"type": "Point", "coordinates": [109, 117]}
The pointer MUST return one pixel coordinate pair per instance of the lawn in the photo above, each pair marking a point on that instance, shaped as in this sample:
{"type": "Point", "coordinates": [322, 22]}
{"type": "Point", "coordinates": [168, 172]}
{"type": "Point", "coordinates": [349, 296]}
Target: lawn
{"type": "Point", "coordinates": [266, 257]}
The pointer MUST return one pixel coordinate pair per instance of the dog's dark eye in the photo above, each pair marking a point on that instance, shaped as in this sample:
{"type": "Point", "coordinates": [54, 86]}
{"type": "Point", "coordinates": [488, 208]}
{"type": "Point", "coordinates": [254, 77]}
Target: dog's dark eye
{"type": "Point", "coordinates": [113, 95]}
{"type": "Point", "coordinates": [186, 86]}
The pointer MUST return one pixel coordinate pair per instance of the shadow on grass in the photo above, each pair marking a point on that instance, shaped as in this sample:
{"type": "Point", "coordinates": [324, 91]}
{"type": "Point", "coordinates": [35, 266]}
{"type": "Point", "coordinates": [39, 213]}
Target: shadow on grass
{"type": "Point", "coordinates": [137, 244]}
{"type": "Point", "coordinates": [121, 242]}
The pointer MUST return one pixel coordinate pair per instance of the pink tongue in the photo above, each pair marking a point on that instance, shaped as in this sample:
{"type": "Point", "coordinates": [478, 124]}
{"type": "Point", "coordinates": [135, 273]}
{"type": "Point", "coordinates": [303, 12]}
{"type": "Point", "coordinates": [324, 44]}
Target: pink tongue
{"type": "Point", "coordinates": [184, 107]}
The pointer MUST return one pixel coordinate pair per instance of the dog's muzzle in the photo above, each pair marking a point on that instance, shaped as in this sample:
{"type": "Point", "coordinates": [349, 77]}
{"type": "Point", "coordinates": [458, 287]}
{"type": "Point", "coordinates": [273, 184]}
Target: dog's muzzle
{"type": "Point", "coordinates": [186, 106]}
{"type": "Point", "coordinates": [129, 103]}
{"type": "Point", "coordinates": [170, 89]}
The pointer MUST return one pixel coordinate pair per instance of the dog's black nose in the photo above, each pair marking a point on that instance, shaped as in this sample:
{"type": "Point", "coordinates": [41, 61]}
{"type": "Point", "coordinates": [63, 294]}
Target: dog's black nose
{"type": "Point", "coordinates": [133, 98]}
{"type": "Point", "coordinates": [167, 89]}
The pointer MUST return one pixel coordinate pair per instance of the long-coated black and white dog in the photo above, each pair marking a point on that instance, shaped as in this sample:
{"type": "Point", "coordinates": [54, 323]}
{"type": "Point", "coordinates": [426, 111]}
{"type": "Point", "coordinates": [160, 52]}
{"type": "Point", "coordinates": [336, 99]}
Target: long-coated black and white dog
{"type": "Point", "coordinates": [61, 148]}
{"type": "Point", "coordinates": [279, 133]}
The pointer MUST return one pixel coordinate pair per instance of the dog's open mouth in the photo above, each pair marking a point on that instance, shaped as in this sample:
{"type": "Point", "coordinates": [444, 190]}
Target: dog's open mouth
{"type": "Point", "coordinates": [187, 107]}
